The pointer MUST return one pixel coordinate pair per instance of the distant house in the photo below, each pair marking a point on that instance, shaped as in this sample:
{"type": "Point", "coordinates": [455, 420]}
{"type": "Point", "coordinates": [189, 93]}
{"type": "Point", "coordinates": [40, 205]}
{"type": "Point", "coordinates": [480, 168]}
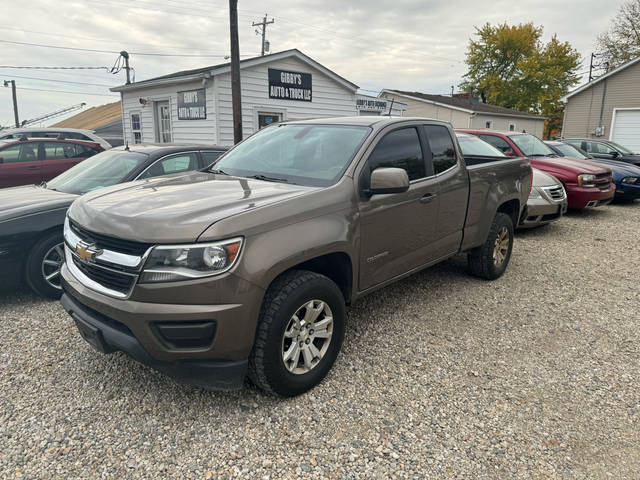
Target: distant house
{"type": "Point", "coordinates": [105, 120]}
{"type": "Point", "coordinates": [607, 108]}
{"type": "Point", "coordinates": [464, 111]}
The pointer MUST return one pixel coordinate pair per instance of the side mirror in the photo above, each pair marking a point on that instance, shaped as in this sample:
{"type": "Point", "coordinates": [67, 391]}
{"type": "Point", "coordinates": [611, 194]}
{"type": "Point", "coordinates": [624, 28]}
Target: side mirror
{"type": "Point", "coordinates": [1, 160]}
{"type": "Point", "coordinates": [613, 153]}
{"type": "Point", "coordinates": [389, 180]}
{"type": "Point", "coordinates": [509, 153]}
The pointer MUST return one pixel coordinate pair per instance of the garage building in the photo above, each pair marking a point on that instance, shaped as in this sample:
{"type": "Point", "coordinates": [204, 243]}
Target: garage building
{"type": "Point", "coordinates": [194, 106]}
{"type": "Point", "coordinates": [607, 108]}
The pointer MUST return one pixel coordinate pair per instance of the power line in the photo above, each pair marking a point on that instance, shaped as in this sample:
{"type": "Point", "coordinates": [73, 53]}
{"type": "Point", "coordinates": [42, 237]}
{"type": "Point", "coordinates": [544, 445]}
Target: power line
{"type": "Point", "coordinates": [65, 81]}
{"type": "Point", "coordinates": [107, 51]}
{"type": "Point", "coordinates": [56, 68]}
{"type": "Point", "coordinates": [66, 91]}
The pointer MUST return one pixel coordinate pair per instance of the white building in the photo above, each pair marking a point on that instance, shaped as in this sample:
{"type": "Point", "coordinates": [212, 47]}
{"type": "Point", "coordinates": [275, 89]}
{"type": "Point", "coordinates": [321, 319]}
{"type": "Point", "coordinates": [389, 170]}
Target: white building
{"type": "Point", "coordinates": [194, 106]}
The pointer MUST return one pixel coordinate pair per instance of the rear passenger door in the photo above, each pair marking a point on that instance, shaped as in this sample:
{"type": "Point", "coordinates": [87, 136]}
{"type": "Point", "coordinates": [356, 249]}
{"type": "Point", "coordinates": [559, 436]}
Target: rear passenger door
{"type": "Point", "coordinates": [397, 230]}
{"type": "Point", "coordinates": [453, 184]}
{"type": "Point", "coordinates": [20, 165]}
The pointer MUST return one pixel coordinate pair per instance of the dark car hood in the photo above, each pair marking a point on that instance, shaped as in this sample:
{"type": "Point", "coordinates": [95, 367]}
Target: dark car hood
{"type": "Point", "coordinates": [17, 202]}
{"type": "Point", "coordinates": [175, 209]}
{"type": "Point", "coordinates": [568, 164]}
{"type": "Point", "coordinates": [620, 168]}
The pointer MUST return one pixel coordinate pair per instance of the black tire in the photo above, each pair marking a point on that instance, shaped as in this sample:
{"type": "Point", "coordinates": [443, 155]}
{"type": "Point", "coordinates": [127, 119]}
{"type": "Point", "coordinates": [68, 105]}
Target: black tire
{"type": "Point", "coordinates": [283, 298]}
{"type": "Point", "coordinates": [481, 259]}
{"type": "Point", "coordinates": [33, 266]}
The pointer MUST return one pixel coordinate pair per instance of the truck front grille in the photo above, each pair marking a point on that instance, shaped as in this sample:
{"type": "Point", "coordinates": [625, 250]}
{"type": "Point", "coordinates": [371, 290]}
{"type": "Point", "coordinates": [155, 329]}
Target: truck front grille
{"type": "Point", "coordinates": [603, 181]}
{"type": "Point", "coordinates": [556, 192]}
{"type": "Point", "coordinates": [110, 243]}
{"type": "Point", "coordinates": [108, 278]}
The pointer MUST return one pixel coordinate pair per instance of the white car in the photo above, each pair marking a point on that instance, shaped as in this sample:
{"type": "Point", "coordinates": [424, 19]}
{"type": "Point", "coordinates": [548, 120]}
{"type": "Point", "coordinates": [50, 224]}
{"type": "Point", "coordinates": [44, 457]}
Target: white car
{"type": "Point", "coordinates": [70, 133]}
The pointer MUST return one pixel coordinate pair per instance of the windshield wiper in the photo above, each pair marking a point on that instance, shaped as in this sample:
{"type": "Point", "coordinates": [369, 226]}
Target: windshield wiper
{"type": "Point", "coordinates": [218, 172]}
{"type": "Point", "coordinates": [43, 184]}
{"type": "Point", "coordinates": [268, 179]}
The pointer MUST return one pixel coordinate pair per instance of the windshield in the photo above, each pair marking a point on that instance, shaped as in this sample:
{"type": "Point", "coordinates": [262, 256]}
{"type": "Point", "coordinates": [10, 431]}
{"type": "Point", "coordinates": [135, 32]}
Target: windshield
{"type": "Point", "coordinates": [532, 146]}
{"type": "Point", "coordinates": [315, 155]}
{"type": "Point", "coordinates": [472, 145]}
{"type": "Point", "coordinates": [621, 149]}
{"type": "Point", "coordinates": [101, 170]}
{"type": "Point", "coordinates": [570, 151]}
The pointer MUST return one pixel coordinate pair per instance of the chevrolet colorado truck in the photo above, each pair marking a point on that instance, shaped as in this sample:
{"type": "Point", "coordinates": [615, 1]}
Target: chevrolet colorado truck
{"type": "Point", "coordinates": [244, 269]}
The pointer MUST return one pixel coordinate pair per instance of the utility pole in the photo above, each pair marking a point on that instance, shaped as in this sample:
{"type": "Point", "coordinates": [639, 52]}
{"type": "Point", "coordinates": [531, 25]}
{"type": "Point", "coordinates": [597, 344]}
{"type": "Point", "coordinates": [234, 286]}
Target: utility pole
{"type": "Point", "coordinates": [263, 25]}
{"type": "Point", "coordinates": [235, 72]}
{"type": "Point", "coordinates": [593, 56]}
{"type": "Point", "coordinates": [127, 68]}
{"type": "Point", "coordinates": [15, 100]}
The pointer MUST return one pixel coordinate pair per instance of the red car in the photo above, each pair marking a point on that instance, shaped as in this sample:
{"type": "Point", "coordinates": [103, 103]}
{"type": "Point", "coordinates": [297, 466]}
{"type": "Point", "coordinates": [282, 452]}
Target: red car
{"type": "Point", "coordinates": [34, 160]}
{"type": "Point", "coordinates": [587, 183]}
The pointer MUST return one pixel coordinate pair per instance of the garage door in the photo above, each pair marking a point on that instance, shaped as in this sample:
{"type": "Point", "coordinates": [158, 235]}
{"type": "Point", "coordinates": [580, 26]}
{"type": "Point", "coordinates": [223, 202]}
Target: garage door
{"type": "Point", "coordinates": [626, 129]}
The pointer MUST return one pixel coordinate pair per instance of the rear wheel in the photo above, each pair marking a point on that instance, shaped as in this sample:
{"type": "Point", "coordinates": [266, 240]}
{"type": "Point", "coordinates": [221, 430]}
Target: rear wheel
{"type": "Point", "coordinates": [299, 334]}
{"type": "Point", "coordinates": [490, 260]}
{"type": "Point", "coordinates": [42, 270]}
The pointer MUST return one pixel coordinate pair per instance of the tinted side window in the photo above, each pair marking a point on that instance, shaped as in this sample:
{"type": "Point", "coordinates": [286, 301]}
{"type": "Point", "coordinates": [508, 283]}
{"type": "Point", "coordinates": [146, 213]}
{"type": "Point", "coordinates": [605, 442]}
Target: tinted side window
{"type": "Point", "coordinates": [11, 154]}
{"type": "Point", "coordinates": [177, 163]}
{"type": "Point", "coordinates": [210, 157]}
{"type": "Point", "coordinates": [400, 149]}
{"type": "Point", "coordinates": [500, 143]}
{"type": "Point", "coordinates": [442, 149]}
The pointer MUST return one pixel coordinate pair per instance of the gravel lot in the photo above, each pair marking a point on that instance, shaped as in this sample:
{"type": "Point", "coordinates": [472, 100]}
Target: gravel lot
{"type": "Point", "coordinates": [441, 375]}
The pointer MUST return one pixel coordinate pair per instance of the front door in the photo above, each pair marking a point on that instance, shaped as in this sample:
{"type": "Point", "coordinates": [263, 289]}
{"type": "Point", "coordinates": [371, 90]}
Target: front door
{"type": "Point", "coordinates": [397, 231]}
{"type": "Point", "coordinates": [163, 122]}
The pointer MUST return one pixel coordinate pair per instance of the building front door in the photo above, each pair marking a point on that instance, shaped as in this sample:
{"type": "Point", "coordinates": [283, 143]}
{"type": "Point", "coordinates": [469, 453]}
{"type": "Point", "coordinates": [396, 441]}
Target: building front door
{"type": "Point", "coordinates": [163, 122]}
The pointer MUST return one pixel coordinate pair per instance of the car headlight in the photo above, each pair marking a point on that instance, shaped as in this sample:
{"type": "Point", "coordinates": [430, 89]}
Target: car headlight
{"type": "Point", "coordinates": [534, 194]}
{"type": "Point", "coordinates": [172, 263]}
{"type": "Point", "coordinates": [586, 180]}
{"type": "Point", "coordinates": [630, 180]}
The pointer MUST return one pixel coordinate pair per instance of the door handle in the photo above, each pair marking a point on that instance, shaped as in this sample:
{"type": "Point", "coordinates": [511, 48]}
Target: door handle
{"type": "Point", "coordinates": [427, 197]}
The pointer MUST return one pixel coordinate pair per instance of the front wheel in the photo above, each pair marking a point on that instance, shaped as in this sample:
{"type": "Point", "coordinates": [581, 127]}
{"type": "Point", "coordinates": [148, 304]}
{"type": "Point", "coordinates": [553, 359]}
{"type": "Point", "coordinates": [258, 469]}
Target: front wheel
{"type": "Point", "coordinates": [299, 335]}
{"type": "Point", "coordinates": [42, 269]}
{"type": "Point", "coordinates": [490, 260]}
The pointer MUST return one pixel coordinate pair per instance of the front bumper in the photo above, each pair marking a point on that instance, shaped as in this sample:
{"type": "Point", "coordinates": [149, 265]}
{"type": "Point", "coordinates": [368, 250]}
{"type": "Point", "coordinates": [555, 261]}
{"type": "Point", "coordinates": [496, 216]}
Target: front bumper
{"type": "Point", "coordinates": [580, 197]}
{"type": "Point", "coordinates": [136, 325]}
{"type": "Point", "coordinates": [627, 191]}
{"type": "Point", "coordinates": [541, 211]}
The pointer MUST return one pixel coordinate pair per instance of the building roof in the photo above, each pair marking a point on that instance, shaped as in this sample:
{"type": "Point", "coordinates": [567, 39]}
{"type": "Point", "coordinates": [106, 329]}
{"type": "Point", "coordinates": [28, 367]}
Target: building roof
{"type": "Point", "coordinates": [599, 79]}
{"type": "Point", "coordinates": [212, 70]}
{"type": "Point", "coordinates": [94, 117]}
{"type": "Point", "coordinates": [463, 102]}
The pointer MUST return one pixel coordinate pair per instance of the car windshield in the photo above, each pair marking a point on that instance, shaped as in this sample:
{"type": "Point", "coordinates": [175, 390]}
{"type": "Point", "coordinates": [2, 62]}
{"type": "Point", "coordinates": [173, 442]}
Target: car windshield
{"type": "Point", "coordinates": [532, 146]}
{"type": "Point", "coordinates": [472, 145]}
{"type": "Point", "coordinates": [620, 148]}
{"type": "Point", "coordinates": [570, 151]}
{"type": "Point", "coordinates": [314, 155]}
{"type": "Point", "coordinates": [101, 170]}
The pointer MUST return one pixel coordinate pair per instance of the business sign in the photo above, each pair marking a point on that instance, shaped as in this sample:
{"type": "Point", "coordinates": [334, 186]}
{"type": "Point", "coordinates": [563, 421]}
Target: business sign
{"type": "Point", "coordinates": [192, 105]}
{"type": "Point", "coordinates": [285, 85]}
{"type": "Point", "coordinates": [371, 104]}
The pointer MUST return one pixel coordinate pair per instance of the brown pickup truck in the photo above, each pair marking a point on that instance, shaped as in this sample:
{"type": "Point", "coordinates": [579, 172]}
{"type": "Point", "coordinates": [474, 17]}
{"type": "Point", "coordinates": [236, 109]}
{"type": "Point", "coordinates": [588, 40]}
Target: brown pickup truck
{"type": "Point", "coordinates": [244, 269]}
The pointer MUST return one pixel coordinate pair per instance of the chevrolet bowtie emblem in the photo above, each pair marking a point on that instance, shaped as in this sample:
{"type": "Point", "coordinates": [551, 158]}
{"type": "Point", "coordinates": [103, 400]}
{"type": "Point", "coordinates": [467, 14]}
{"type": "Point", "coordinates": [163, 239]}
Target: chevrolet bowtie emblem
{"type": "Point", "coordinates": [87, 252]}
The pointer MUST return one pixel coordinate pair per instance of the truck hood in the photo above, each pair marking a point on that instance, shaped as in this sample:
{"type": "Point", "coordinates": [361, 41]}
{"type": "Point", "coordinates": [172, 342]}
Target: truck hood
{"type": "Point", "coordinates": [568, 165]}
{"type": "Point", "coordinates": [17, 202]}
{"type": "Point", "coordinates": [175, 209]}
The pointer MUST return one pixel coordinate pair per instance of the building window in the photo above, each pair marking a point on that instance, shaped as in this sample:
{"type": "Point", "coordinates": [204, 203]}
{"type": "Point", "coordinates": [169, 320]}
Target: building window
{"type": "Point", "coordinates": [136, 127]}
{"type": "Point", "coordinates": [488, 124]}
{"type": "Point", "coordinates": [512, 127]}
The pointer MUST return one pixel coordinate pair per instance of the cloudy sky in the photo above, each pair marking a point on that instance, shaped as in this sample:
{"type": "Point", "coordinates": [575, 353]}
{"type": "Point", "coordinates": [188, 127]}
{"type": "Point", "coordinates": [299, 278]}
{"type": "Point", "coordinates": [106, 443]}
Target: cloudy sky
{"type": "Point", "coordinates": [404, 44]}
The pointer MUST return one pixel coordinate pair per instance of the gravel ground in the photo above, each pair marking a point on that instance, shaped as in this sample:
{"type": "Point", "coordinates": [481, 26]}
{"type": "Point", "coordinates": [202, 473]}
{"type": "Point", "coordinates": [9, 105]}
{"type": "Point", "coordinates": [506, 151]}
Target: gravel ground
{"type": "Point", "coordinates": [441, 375]}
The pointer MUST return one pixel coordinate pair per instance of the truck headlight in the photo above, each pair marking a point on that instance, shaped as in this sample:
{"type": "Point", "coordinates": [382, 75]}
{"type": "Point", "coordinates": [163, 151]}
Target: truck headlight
{"type": "Point", "coordinates": [170, 263]}
{"type": "Point", "coordinates": [630, 180]}
{"type": "Point", "coordinates": [586, 180]}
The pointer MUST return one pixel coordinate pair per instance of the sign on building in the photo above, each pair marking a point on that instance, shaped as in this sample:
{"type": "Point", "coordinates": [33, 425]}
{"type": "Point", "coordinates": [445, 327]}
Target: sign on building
{"type": "Point", "coordinates": [371, 104]}
{"type": "Point", "coordinates": [192, 105]}
{"type": "Point", "coordinates": [285, 85]}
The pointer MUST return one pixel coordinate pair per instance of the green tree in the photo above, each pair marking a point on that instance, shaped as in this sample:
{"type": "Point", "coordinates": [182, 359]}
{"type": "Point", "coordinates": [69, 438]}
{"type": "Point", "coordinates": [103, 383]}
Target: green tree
{"type": "Point", "coordinates": [621, 42]}
{"type": "Point", "coordinates": [511, 67]}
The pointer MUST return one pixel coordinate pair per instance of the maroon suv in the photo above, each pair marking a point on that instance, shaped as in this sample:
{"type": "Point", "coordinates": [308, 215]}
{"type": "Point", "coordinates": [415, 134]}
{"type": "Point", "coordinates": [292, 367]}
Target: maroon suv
{"type": "Point", "coordinates": [587, 183]}
{"type": "Point", "coordinates": [34, 160]}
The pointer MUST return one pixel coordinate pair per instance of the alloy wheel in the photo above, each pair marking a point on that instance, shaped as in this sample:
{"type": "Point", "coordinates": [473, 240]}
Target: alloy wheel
{"type": "Point", "coordinates": [501, 246]}
{"type": "Point", "coordinates": [51, 265]}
